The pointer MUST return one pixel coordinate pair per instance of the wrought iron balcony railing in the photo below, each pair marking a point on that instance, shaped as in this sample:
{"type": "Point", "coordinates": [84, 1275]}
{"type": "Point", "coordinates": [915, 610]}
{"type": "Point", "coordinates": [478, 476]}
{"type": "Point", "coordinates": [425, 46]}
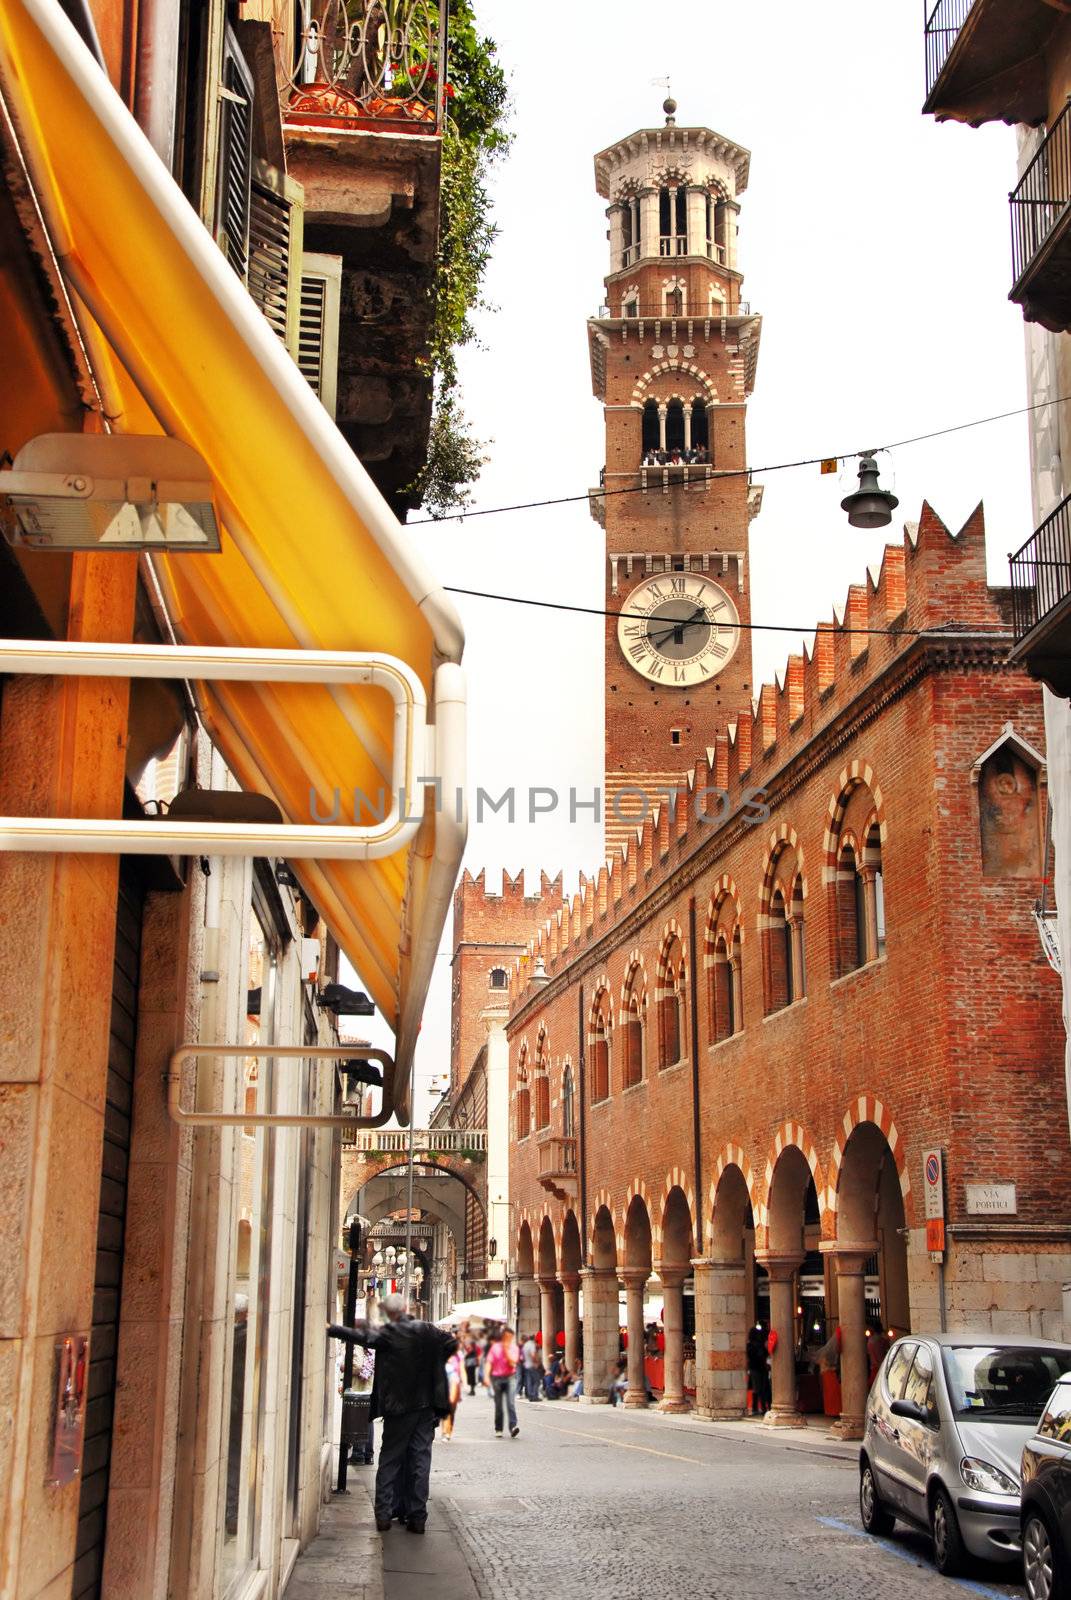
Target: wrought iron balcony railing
{"type": "Point", "coordinates": [1041, 571]}
{"type": "Point", "coordinates": [363, 63]}
{"type": "Point", "coordinates": [1039, 204]}
{"type": "Point", "coordinates": [942, 30]}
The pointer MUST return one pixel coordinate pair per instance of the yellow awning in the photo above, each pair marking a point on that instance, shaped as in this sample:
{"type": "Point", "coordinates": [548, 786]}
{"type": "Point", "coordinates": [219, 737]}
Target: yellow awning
{"type": "Point", "coordinates": [312, 555]}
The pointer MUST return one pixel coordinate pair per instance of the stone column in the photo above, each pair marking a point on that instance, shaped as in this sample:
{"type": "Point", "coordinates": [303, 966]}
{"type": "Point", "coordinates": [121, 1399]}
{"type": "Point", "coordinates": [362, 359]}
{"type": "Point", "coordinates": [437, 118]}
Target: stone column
{"type": "Point", "coordinates": [662, 427]}
{"type": "Point", "coordinates": [851, 1299]}
{"type": "Point", "coordinates": [672, 1280]}
{"type": "Point", "coordinates": [870, 913]}
{"type": "Point", "coordinates": [721, 1324]}
{"type": "Point", "coordinates": [687, 427]}
{"type": "Point", "coordinates": [601, 1333]}
{"type": "Point", "coordinates": [783, 1412]}
{"type": "Point", "coordinates": [635, 1281]}
{"type": "Point", "coordinates": [528, 1318]}
{"type": "Point", "coordinates": [570, 1282]}
{"type": "Point", "coordinates": [547, 1318]}
{"type": "Point", "coordinates": [617, 237]}
{"type": "Point", "coordinates": [649, 226]}
{"type": "Point", "coordinates": [697, 222]}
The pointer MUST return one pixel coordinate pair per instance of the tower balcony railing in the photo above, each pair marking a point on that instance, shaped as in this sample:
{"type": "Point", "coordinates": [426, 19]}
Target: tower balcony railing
{"type": "Point", "coordinates": [673, 244]}
{"type": "Point", "coordinates": [659, 311]}
{"type": "Point", "coordinates": [426, 1141]}
{"type": "Point", "coordinates": [942, 30]}
{"type": "Point", "coordinates": [1041, 230]}
{"type": "Point", "coordinates": [373, 64]}
{"type": "Point", "coordinates": [630, 254]}
{"type": "Point", "coordinates": [1041, 600]}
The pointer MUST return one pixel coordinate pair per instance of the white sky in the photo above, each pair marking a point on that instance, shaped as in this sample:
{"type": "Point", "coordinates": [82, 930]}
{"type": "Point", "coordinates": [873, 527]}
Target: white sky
{"type": "Point", "coordinates": [875, 245]}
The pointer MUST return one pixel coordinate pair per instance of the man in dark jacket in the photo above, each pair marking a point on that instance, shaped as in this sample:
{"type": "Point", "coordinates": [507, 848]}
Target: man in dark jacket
{"type": "Point", "coordinates": [410, 1396]}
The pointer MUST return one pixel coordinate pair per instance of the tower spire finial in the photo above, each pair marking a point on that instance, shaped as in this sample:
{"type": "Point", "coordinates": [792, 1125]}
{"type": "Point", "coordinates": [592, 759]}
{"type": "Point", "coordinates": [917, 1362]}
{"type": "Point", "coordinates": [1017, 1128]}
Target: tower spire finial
{"type": "Point", "coordinates": [669, 105]}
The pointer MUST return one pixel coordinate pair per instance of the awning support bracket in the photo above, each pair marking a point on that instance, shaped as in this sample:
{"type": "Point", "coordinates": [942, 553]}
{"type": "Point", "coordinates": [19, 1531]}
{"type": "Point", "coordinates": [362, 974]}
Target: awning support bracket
{"type": "Point", "coordinates": [290, 1052]}
{"type": "Point", "coordinates": [296, 841]}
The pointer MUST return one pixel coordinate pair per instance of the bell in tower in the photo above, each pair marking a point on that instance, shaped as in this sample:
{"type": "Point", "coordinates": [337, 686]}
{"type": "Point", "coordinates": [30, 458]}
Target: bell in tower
{"type": "Point", "coordinates": [673, 355]}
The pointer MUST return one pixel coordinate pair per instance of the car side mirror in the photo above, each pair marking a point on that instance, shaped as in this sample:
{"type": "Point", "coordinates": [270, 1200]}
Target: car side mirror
{"type": "Point", "coordinates": [910, 1409]}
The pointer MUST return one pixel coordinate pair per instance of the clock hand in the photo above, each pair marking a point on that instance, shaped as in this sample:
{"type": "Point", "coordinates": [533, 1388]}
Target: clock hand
{"type": "Point", "coordinates": [698, 615]}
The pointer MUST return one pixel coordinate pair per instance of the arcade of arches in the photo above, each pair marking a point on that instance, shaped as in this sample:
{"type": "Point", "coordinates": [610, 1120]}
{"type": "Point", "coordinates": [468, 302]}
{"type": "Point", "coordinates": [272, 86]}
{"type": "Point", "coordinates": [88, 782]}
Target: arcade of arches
{"type": "Point", "coordinates": [793, 1255]}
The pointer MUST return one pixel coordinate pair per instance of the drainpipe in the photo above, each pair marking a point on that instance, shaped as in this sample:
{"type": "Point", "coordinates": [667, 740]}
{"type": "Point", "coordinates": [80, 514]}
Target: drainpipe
{"type": "Point", "coordinates": [156, 74]}
{"type": "Point", "coordinates": [694, 1017]}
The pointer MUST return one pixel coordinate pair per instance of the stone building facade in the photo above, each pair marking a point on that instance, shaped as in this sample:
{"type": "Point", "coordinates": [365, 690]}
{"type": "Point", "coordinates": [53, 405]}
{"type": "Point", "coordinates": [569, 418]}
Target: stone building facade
{"type": "Point", "coordinates": [731, 1050]}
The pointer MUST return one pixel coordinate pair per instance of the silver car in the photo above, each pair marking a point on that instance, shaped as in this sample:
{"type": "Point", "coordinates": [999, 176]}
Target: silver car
{"type": "Point", "coordinates": [946, 1421]}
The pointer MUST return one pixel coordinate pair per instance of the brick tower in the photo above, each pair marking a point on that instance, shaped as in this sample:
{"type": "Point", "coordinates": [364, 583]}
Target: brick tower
{"type": "Point", "coordinates": [673, 358]}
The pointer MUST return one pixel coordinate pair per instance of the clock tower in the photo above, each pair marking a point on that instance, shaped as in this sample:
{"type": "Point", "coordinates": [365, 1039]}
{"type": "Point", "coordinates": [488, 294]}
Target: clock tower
{"type": "Point", "coordinates": [673, 357]}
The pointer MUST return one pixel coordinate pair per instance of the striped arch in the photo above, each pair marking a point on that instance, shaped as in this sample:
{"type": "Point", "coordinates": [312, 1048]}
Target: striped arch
{"type": "Point", "coordinates": [674, 364]}
{"type": "Point", "coordinates": [725, 886]}
{"type": "Point", "coordinates": [675, 1179]}
{"type": "Point", "coordinates": [857, 774]}
{"type": "Point", "coordinates": [601, 988]}
{"type": "Point", "coordinates": [732, 1155]}
{"type": "Point", "coordinates": [782, 836]}
{"type": "Point", "coordinates": [634, 963]}
{"type": "Point", "coordinates": [793, 1133]}
{"type": "Point", "coordinates": [868, 1108]}
{"type": "Point", "coordinates": [665, 980]}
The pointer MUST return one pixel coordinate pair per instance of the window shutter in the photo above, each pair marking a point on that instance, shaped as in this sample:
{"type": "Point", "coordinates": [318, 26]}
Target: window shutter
{"type": "Point", "coordinates": [235, 156]}
{"type": "Point", "coordinates": [321, 298]}
{"type": "Point", "coordinates": [275, 250]}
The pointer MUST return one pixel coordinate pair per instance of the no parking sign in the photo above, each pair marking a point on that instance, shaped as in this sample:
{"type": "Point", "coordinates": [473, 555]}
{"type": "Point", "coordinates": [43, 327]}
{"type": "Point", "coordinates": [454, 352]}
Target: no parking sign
{"type": "Point", "coordinates": [933, 1189]}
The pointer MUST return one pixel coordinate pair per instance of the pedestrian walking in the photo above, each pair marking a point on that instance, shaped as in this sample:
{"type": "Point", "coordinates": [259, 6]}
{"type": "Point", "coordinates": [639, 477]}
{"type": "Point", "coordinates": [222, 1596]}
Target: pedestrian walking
{"type": "Point", "coordinates": [758, 1371]}
{"type": "Point", "coordinates": [453, 1392]}
{"type": "Point", "coordinates": [472, 1363]}
{"type": "Point", "coordinates": [530, 1367]}
{"type": "Point", "coordinates": [411, 1396]}
{"type": "Point", "coordinates": [500, 1375]}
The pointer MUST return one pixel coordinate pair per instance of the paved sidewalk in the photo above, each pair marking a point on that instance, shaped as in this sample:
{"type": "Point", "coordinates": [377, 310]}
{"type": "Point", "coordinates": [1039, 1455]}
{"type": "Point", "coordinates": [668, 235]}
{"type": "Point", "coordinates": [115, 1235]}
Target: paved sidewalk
{"type": "Point", "coordinates": [345, 1557]}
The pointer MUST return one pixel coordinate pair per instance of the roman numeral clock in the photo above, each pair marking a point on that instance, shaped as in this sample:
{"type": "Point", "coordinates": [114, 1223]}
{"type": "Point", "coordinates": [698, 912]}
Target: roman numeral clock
{"type": "Point", "coordinates": [673, 355]}
{"type": "Point", "coordinates": [680, 629]}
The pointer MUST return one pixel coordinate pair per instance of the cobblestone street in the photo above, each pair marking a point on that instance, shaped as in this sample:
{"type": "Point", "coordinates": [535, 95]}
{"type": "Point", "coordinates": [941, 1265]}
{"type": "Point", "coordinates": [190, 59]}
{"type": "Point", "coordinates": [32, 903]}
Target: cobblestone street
{"type": "Point", "coordinates": [594, 1502]}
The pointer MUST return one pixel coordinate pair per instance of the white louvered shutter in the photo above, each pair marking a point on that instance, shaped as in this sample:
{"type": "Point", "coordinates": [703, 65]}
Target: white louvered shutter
{"type": "Point", "coordinates": [275, 250]}
{"type": "Point", "coordinates": [321, 299]}
{"type": "Point", "coordinates": [235, 156]}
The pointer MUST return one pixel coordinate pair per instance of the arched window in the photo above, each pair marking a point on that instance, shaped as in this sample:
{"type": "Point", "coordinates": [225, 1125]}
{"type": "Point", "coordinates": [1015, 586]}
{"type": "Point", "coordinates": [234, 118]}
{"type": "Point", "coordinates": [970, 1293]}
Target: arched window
{"type": "Point", "coordinates": [632, 1019]}
{"type": "Point", "coordinates": [784, 969]}
{"type": "Point", "coordinates": [524, 1097]}
{"type": "Point", "coordinates": [670, 997]}
{"type": "Point", "coordinates": [724, 966]}
{"type": "Point", "coordinates": [599, 1044]}
{"type": "Point", "coordinates": [630, 232]}
{"type": "Point", "coordinates": [652, 434]}
{"type": "Point", "coordinates": [858, 895]}
{"type": "Point", "coordinates": [568, 1108]}
{"type": "Point", "coordinates": [498, 978]}
{"type": "Point", "coordinates": [675, 425]}
{"type": "Point", "coordinates": [700, 426]}
{"type": "Point", "coordinates": [672, 221]}
{"type": "Point", "coordinates": [542, 1083]}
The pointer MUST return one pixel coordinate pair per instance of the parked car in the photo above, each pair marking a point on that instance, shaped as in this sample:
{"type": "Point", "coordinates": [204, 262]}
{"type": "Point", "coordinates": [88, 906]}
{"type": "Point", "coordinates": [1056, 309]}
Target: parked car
{"type": "Point", "coordinates": [946, 1421]}
{"type": "Point", "coordinates": [1046, 1505]}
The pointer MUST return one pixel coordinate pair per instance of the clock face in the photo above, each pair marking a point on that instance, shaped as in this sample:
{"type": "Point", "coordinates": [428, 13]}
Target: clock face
{"type": "Point", "coordinates": [678, 629]}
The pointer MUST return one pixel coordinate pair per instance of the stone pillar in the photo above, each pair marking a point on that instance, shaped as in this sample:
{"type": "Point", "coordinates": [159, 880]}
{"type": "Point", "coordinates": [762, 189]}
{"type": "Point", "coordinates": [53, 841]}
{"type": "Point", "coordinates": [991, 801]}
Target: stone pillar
{"type": "Point", "coordinates": [547, 1318]}
{"type": "Point", "coordinates": [672, 1280]}
{"type": "Point", "coordinates": [601, 1333]}
{"type": "Point", "coordinates": [662, 427]}
{"type": "Point", "coordinates": [870, 913]}
{"type": "Point", "coordinates": [721, 1324]}
{"type": "Point", "coordinates": [571, 1291]}
{"type": "Point", "coordinates": [635, 1281]}
{"type": "Point", "coordinates": [687, 427]}
{"type": "Point", "coordinates": [697, 223]}
{"type": "Point", "coordinates": [617, 237]}
{"type": "Point", "coordinates": [649, 226]}
{"type": "Point", "coordinates": [783, 1412]}
{"type": "Point", "coordinates": [851, 1300]}
{"type": "Point", "coordinates": [528, 1318]}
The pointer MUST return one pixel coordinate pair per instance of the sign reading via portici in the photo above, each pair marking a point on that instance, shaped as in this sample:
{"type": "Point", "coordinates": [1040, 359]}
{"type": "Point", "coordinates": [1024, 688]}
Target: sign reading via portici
{"type": "Point", "coordinates": [991, 1200]}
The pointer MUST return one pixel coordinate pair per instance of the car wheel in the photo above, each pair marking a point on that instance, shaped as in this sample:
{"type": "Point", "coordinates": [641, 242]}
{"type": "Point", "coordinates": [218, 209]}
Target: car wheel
{"type": "Point", "coordinates": [948, 1548]}
{"type": "Point", "coordinates": [1040, 1573]}
{"type": "Point", "coordinates": [872, 1513]}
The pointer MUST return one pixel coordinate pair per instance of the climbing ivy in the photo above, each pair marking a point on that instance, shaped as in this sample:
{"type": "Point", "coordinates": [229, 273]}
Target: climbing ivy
{"type": "Point", "coordinates": [474, 137]}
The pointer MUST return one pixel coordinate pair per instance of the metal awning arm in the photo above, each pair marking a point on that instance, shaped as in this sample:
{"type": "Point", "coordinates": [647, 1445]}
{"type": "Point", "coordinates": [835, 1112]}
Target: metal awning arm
{"type": "Point", "coordinates": [291, 1052]}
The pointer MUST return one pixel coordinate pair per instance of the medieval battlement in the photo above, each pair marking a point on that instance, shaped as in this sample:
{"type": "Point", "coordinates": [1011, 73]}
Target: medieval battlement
{"type": "Point", "coordinates": [932, 585]}
{"type": "Point", "coordinates": [484, 916]}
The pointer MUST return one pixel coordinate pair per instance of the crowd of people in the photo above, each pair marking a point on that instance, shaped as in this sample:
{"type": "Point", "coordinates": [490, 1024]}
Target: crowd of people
{"type": "Point", "coordinates": [698, 456]}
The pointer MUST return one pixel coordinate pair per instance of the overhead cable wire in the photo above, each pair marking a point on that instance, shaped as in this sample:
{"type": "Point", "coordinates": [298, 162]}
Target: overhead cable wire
{"type": "Point", "coordinates": [742, 472]}
{"type": "Point", "coordinates": [946, 629]}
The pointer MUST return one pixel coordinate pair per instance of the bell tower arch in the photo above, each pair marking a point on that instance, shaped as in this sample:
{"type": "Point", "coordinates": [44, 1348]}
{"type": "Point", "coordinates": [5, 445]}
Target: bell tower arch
{"type": "Point", "coordinates": [674, 350]}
